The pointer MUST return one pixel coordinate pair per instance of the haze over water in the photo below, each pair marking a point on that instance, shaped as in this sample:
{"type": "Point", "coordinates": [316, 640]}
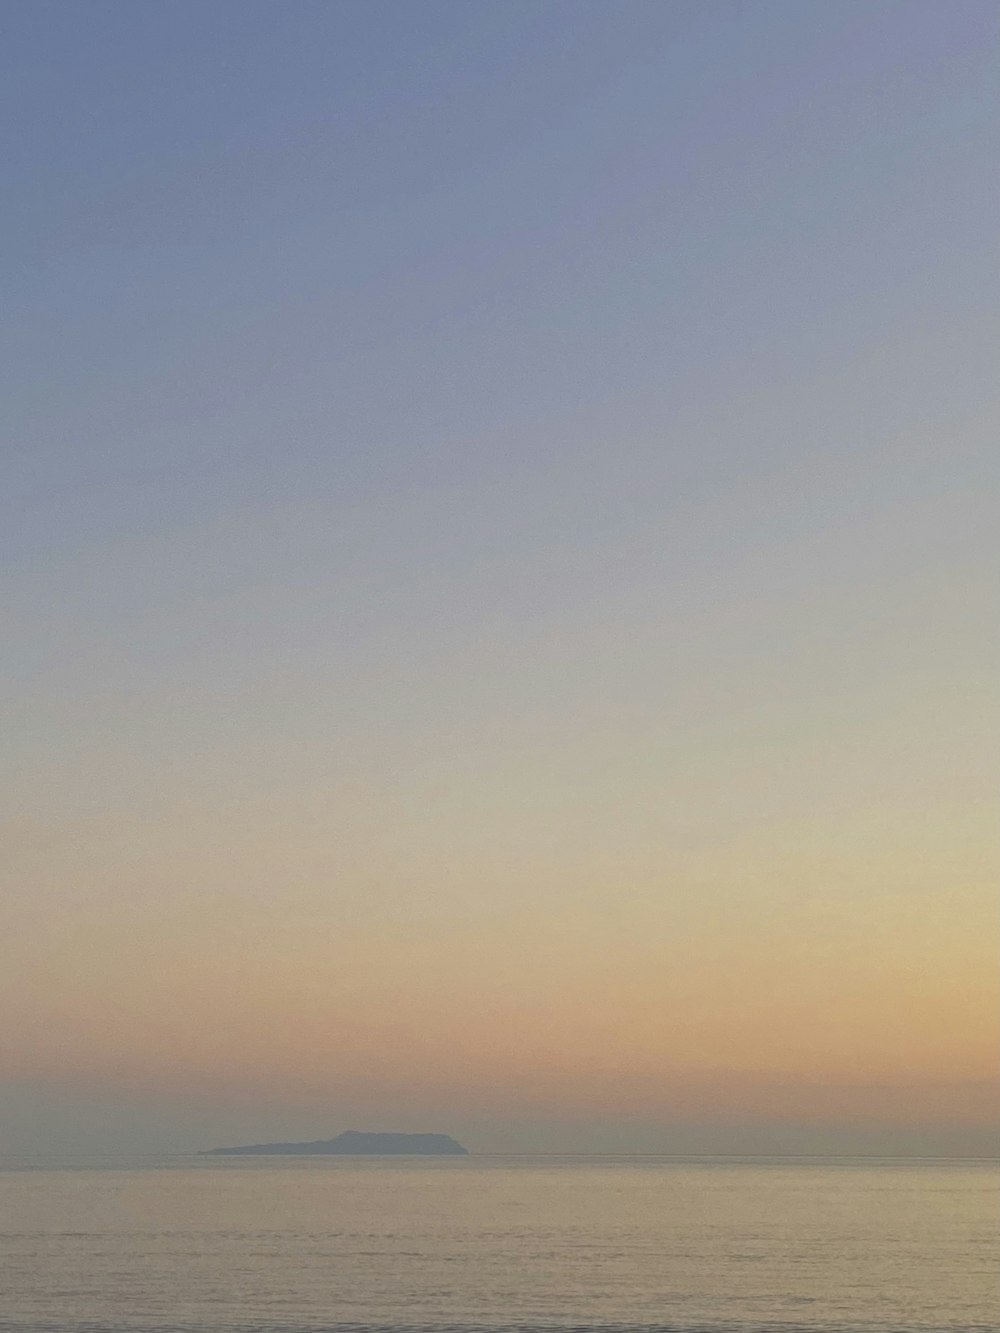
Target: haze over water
{"type": "Point", "coordinates": [188, 1246]}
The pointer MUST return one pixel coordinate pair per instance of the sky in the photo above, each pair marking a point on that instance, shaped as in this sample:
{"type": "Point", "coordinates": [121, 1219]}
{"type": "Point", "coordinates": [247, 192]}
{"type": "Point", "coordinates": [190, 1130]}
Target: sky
{"type": "Point", "coordinates": [499, 581]}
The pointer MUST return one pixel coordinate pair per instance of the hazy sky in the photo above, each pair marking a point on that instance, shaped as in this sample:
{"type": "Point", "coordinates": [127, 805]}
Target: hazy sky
{"type": "Point", "coordinates": [499, 628]}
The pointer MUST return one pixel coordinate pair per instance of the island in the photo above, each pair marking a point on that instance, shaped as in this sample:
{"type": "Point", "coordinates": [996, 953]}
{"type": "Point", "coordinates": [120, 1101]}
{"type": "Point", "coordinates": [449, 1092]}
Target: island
{"type": "Point", "coordinates": [353, 1142]}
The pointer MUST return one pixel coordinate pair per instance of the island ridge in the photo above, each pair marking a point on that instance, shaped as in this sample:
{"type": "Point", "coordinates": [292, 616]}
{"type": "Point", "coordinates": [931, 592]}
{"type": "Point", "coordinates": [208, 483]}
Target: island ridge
{"type": "Point", "coordinates": [354, 1142]}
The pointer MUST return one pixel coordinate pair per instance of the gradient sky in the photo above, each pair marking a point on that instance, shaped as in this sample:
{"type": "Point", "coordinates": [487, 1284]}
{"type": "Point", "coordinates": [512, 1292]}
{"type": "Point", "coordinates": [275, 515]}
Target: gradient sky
{"type": "Point", "coordinates": [499, 583]}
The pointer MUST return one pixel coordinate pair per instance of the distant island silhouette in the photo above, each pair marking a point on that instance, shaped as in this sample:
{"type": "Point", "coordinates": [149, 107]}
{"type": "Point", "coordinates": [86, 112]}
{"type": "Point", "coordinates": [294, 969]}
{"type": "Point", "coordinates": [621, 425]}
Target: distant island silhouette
{"type": "Point", "coordinates": [353, 1142]}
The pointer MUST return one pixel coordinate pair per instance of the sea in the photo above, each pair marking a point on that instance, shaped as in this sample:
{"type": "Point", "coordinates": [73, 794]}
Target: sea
{"type": "Point", "coordinates": [498, 1244]}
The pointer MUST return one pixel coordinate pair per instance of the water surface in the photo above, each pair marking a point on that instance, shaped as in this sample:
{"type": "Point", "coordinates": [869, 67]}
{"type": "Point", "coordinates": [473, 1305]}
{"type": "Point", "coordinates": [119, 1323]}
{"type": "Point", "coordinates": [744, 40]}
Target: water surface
{"type": "Point", "coordinates": [234, 1245]}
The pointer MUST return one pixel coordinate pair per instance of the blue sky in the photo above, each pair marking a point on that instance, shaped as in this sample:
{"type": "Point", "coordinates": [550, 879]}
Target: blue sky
{"type": "Point", "coordinates": [467, 459]}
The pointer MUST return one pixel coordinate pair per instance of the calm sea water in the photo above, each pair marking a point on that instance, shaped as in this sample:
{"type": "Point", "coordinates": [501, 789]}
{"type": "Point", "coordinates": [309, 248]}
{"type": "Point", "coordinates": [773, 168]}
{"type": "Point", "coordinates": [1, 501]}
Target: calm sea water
{"type": "Point", "coordinates": [275, 1245]}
